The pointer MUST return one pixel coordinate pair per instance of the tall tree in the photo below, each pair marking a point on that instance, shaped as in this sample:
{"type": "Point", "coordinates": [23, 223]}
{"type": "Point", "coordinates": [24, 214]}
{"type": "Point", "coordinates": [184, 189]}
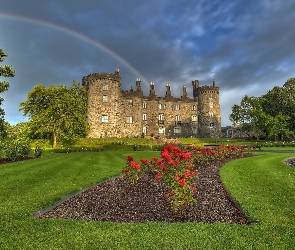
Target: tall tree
{"type": "Point", "coordinates": [5, 71]}
{"type": "Point", "coordinates": [59, 110]}
{"type": "Point", "coordinates": [281, 100]}
{"type": "Point", "coordinates": [249, 115]}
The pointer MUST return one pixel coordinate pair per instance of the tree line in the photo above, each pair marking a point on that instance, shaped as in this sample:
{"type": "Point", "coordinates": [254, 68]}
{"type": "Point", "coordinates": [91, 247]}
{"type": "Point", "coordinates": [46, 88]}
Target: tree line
{"type": "Point", "coordinates": [272, 114]}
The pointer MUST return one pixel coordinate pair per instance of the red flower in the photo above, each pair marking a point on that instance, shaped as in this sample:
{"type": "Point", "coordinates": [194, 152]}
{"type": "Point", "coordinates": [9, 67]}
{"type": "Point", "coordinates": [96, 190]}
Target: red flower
{"type": "Point", "coordinates": [124, 171]}
{"type": "Point", "coordinates": [160, 162]}
{"type": "Point", "coordinates": [164, 168]}
{"type": "Point", "coordinates": [165, 154]}
{"type": "Point", "coordinates": [177, 177]}
{"type": "Point", "coordinates": [158, 175]}
{"type": "Point", "coordinates": [144, 162]}
{"type": "Point", "coordinates": [182, 182]}
{"type": "Point", "coordinates": [187, 174]}
{"type": "Point", "coordinates": [171, 162]}
{"type": "Point", "coordinates": [134, 164]}
{"type": "Point", "coordinates": [193, 173]}
{"type": "Point", "coordinates": [129, 158]}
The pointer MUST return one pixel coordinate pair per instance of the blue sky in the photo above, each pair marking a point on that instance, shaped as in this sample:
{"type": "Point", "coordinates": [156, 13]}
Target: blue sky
{"type": "Point", "coordinates": [247, 47]}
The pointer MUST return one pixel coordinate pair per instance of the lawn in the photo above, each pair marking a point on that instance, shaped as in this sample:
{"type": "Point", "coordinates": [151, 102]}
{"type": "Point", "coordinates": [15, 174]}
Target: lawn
{"type": "Point", "coordinates": [263, 185]}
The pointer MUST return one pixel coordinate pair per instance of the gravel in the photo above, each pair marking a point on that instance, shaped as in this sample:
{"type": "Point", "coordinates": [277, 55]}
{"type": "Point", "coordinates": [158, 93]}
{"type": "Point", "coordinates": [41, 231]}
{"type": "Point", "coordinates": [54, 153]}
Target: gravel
{"type": "Point", "coordinates": [116, 200]}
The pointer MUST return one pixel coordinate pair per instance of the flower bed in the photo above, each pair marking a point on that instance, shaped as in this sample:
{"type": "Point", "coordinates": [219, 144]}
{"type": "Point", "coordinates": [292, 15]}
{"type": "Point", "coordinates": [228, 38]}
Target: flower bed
{"type": "Point", "coordinates": [148, 190]}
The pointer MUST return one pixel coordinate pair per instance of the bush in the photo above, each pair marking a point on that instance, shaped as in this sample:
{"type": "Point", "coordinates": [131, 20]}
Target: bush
{"type": "Point", "coordinates": [18, 148]}
{"type": "Point", "coordinates": [38, 151]}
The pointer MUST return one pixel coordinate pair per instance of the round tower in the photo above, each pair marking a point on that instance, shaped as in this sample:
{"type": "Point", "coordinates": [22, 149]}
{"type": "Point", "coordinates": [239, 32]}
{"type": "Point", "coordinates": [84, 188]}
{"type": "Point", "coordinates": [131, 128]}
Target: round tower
{"type": "Point", "coordinates": [103, 103]}
{"type": "Point", "coordinates": [209, 121]}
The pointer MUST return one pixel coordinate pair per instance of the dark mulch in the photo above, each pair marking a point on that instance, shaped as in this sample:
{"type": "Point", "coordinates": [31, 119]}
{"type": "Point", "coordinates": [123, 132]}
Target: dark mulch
{"type": "Point", "coordinates": [6, 160]}
{"type": "Point", "coordinates": [117, 201]}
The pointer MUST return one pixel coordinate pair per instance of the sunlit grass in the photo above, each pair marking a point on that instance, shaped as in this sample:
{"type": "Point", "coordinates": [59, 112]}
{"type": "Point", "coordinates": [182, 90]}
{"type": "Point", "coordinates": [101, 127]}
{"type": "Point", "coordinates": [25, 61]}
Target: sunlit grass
{"type": "Point", "coordinates": [263, 185]}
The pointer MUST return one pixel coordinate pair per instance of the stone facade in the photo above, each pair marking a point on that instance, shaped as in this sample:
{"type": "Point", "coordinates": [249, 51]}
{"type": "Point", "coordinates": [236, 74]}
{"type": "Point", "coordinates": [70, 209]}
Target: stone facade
{"type": "Point", "coordinates": [113, 112]}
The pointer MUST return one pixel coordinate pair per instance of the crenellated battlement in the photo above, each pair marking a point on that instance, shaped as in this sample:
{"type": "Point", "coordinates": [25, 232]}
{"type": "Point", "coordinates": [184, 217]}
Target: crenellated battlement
{"type": "Point", "coordinates": [207, 89]}
{"type": "Point", "coordinates": [101, 76]}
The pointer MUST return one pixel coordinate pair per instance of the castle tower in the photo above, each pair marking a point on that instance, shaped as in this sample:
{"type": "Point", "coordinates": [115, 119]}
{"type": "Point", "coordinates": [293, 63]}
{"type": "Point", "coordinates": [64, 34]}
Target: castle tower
{"type": "Point", "coordinates": [209, 121]}
{"type": "Point", "coordinates": [103, 103]}
{"type": "Point", "coordinates": [195, 84]}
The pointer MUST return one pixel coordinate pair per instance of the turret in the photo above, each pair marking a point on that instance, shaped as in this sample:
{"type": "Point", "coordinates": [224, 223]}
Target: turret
{"type": "Point", "coordinates": [152, 89]}
{"type": "Point", "coordinates": [138, 87]}
{"type": "Point", "coordinates": [195, 84]}
{"type": "Point", "coordinates": [168, 90]}
{"type": "Point", "coordinates": [184, 93]}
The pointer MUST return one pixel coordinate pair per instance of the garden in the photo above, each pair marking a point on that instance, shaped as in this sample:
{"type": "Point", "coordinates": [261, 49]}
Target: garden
{"type": "Point", "coordinates": [260, 216]}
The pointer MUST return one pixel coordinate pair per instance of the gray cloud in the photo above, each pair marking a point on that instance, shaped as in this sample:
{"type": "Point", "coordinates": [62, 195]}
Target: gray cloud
{"type": "Point", "coordinates": [245, 46]}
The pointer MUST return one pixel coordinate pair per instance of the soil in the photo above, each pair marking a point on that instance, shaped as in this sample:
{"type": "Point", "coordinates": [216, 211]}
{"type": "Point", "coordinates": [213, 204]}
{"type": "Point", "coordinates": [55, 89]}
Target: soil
{"type": "Point", "coordinates": [116, 200]}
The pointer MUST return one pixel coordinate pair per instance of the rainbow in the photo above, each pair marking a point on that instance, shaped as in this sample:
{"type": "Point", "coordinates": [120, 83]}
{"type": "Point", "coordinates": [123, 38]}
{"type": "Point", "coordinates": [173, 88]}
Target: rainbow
{"type": "Point", "coordinates": [77, 35]}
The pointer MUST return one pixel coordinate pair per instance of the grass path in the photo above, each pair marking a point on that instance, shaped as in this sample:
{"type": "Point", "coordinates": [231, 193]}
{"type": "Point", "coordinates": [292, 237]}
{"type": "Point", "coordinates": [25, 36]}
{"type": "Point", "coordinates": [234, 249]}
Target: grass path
{"type": "Point", "coordinates": [263, 185]}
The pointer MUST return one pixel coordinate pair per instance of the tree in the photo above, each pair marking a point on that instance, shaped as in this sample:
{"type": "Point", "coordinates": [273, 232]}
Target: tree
{"type": "Point", "coordinates": [59, 110]}
{"type": "Point", "coordinates": [249, 115]}
{"type": "Point", "coordinates": [278, 126]}
{"type": "Point", "coordinates": [5, 71]}
{"type": "Point", "coordinates": [281, 100]}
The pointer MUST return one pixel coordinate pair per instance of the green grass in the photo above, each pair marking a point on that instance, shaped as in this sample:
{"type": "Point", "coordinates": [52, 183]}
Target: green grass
{"type": "Point", "coordinates": [263, 185]}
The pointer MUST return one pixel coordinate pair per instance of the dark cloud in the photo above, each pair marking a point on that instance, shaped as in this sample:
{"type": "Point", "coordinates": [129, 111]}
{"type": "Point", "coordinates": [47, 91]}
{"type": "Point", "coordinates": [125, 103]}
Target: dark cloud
{"type": "Point", "coordinates": [245, 46]}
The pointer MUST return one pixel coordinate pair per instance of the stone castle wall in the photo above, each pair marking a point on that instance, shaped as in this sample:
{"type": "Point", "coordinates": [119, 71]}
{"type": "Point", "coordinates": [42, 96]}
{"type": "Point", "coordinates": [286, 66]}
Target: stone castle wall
{"type": "Point", "coordinates": [113, 112]}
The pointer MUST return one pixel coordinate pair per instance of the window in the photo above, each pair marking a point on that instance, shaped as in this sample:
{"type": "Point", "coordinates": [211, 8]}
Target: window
{"type": "Point", "coordinates": [177, 130]}
{"type": "Point", "coordinates": [130, 103]}
{"type": "Point", "coordinates": [211, 105]}
{"type": "Point", "coordinates": [144, 105]}
{"type": "Point", "coordinates": [129, 119]}
{"type": "Point", "coordinates": [105, 98]}
{"type": "Point", "coordinates": [162, 106]}
{"type": "Point", "coordinates": [210, 96]}
{"type": "Point", "coordinates": [105, 87]}
{"type": "Point", "coordinates": [212, 125]}
{"type": "Point", "coordinates": [177, 118]}
{"type": "Point", "coordinates": [194, 130]}
{"type": "Point", "coordinates": [177, 107]}
{"type": "Point", "coordinates": [144, 130]}
{"type": "Point", "coordinates": [194, 118]}
{"type": "Point", "coordinates": [194, 107]}
{"type": "Point", "coordinates": [161, 119]}
{"type": "Point", "coordinates": [104, 119]}
{"type": "Point", "coordinates": [161, 130]}
{"type": "Point", "coordinates": [211, 114]}
{"type": "Point", "coordinates": [144, 117]}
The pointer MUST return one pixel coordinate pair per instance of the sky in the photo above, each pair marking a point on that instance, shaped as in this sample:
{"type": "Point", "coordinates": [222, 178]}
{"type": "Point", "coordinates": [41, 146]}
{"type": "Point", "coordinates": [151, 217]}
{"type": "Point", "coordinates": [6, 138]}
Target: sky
{"type": "Point", "coordinates": [246, 46]}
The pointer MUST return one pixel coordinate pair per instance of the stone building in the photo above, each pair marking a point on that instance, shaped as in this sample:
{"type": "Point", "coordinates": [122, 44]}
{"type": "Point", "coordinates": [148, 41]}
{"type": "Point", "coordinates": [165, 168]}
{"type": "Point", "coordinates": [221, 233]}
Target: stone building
{"type": "Point", "coordinates": [113, 112]}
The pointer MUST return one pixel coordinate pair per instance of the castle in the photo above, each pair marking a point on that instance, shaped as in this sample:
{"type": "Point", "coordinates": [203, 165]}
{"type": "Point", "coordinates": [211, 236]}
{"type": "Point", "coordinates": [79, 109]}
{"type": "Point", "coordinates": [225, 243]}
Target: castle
{"type": "Point", "coordinates": [113, 112]}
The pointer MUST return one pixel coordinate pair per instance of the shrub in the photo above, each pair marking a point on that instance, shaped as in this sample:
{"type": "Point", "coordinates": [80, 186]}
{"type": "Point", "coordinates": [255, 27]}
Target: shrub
{"type": "Point", "coordinates": [38, 151]}
{"type": "Point", "coordinates": [17, 148]}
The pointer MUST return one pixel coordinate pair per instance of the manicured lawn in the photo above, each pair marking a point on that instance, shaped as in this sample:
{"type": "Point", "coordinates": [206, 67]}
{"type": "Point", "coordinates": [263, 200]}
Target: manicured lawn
{"type": "Point", "coordinates": [263, 185]}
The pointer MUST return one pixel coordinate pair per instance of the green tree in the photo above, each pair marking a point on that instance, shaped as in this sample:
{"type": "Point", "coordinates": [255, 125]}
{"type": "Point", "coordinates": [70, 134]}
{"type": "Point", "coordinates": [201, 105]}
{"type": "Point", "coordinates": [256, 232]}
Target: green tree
{"type": "Point", "coordinates": [278, 126]}
{"type": "Point", "coordinates": [249, 115]}
{"type": "Point", "coordinates": [59, 110]}
{"type": "Point", "coordinates": [281, 101]}
{"type": "Point", "coordinates": [5, 71]}
{"type": "Point", "coordinates": [13, 131]}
